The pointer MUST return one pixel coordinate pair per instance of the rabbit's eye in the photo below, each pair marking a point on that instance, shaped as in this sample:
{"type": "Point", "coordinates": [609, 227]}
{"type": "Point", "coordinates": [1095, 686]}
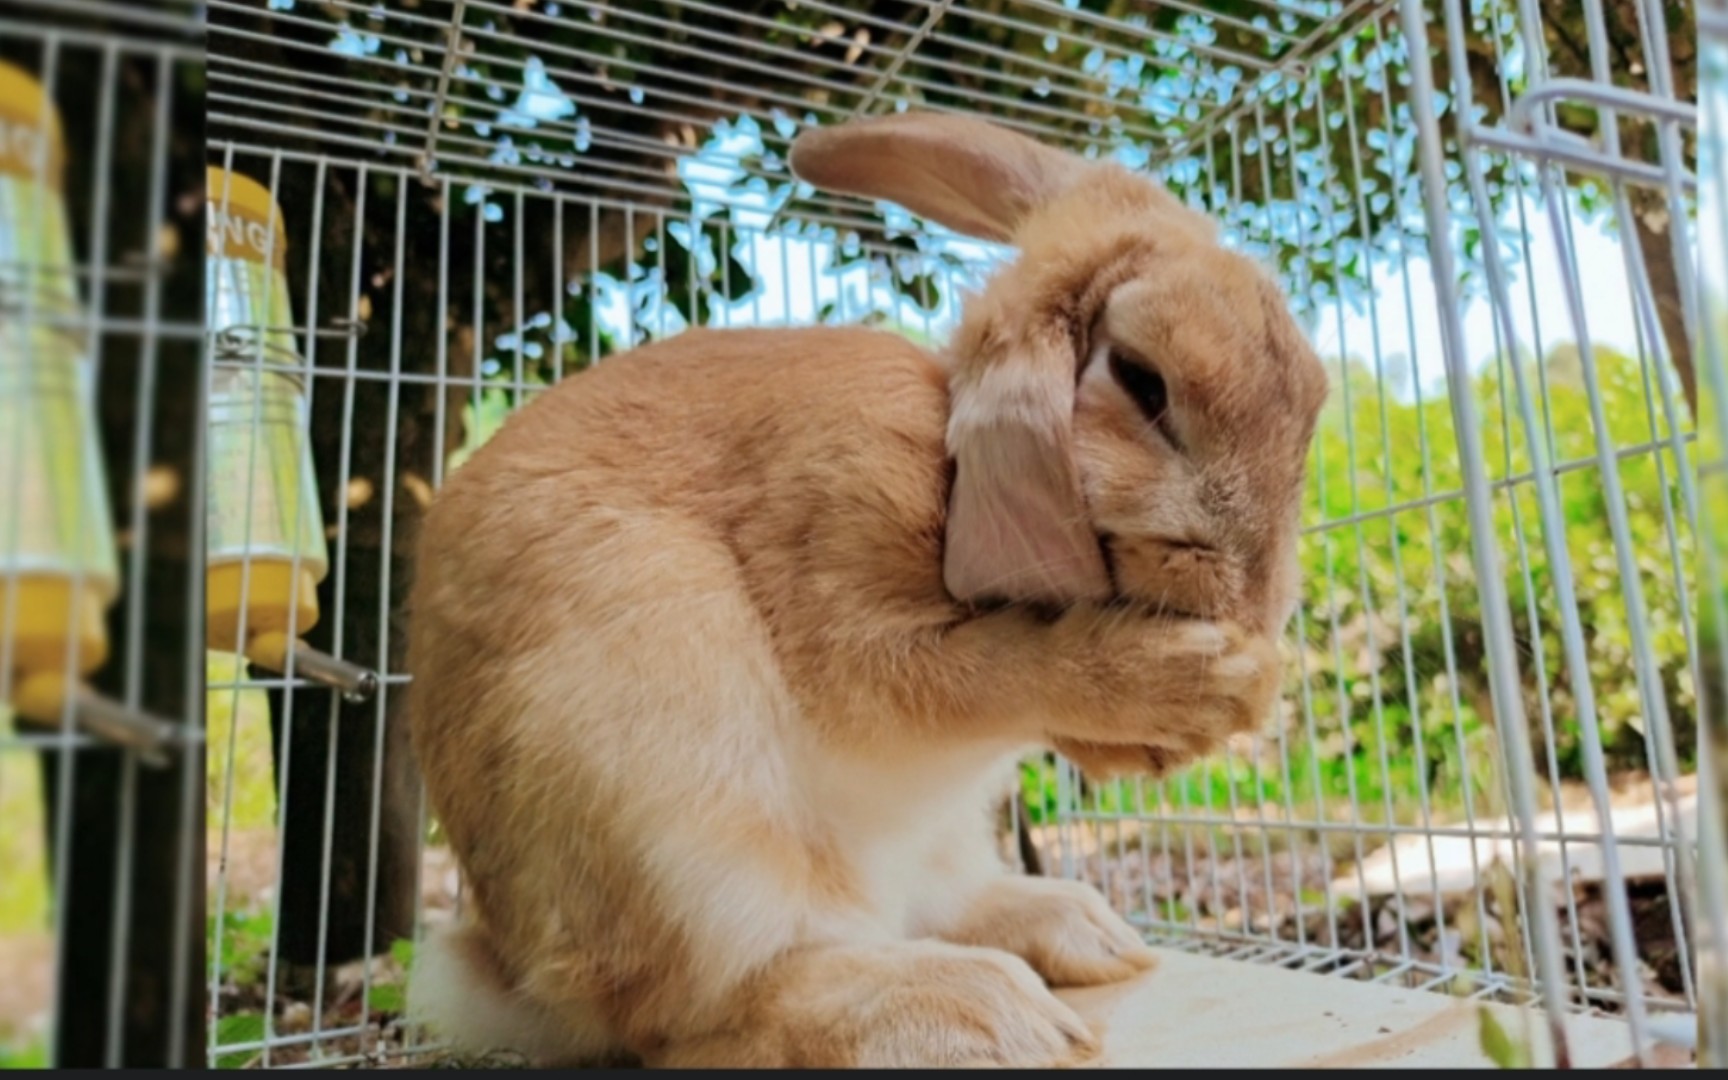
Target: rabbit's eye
{"type": "Point", "coordinates": [1142, 384]}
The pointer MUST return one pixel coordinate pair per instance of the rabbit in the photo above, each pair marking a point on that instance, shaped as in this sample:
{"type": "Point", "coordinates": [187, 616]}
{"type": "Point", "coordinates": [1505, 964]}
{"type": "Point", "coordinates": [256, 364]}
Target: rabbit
{"type": "Point", "coordinates": [723, 647]}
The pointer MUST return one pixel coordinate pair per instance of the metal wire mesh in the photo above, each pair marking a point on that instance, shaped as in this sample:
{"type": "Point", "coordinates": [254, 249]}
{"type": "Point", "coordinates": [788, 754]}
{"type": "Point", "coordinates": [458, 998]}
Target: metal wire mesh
{"type": "Point", "coordinates": [1485, 777]}
{"type": "Point", "coordinates": [631, 99]}
{"type": "Point", "coordinates": [101, 741]}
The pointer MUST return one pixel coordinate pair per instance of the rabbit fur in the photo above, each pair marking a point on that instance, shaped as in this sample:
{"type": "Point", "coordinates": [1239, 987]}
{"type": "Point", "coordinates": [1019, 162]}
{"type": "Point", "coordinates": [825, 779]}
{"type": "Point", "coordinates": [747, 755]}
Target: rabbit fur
{"type": "Point", "coordinates": [724, 647]}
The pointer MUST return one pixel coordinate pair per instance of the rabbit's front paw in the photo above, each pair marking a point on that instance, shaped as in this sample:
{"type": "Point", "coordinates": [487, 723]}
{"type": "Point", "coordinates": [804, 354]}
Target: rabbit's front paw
{"type": "Point", "coordinates": [1227, 676]}
{"type": "Point", "coordinates": [1176, 689]}
{"type": "Point", "coordinates": [1064, 929]}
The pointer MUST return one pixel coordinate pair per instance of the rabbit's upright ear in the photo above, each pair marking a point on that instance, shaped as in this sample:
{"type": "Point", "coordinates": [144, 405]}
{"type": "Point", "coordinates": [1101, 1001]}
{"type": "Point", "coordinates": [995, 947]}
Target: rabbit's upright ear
{"type": "Point", "coordinates": [1017, 524]}
{"type": "Point", "coordinates": [971, 176]}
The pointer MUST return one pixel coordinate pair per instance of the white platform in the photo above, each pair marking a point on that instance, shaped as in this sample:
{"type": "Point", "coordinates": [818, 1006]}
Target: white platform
{"type": "Point", "coordinates": [1419, 865]}
{"type": "Point", "coordinates": [1202, 1012]}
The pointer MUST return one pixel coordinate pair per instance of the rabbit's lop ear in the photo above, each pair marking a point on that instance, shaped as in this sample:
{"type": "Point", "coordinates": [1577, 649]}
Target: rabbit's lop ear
{"type": "Point", "coordinates": [968, 175]}
{"type": "Point", "coordinates": [1017, 525]}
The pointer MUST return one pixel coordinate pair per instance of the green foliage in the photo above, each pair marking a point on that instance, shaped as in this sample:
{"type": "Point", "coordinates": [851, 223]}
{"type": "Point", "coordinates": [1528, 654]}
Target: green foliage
{"type": "Point", "coordinates": [1038, 790]}
{"type": "Point", "coordinates": [389, 994]}
{"type": "Point", "coordinates": [245, 945]}
{"type": "Point", "coordinates": [24, 905]}
{"type": "Point", "coordinates": [237, 725]}
{"type": "Point", "coordinates": [1391, 640]}
{"type": "Point", "coordinates": [29, 1054]}
{"type": "Point", "coordinates": [387, 997]}
{"type": "Point", "coordinates": [482, 416]}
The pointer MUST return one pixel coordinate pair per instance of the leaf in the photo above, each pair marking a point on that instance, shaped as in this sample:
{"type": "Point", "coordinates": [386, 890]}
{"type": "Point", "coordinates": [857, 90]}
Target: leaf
{"type": "Point", "coordinates": [922, 290]}
{"type": "Point", "coordinates": [1502, 1049]}
{"type": "Point", "coordinates": [403, 952]}
{"type": "Point", "coordinates": [386, 998]}
{"type": "Point", "coordinates": [244, 1027]}
{"type": "Point", "coordinates": [738, 282]}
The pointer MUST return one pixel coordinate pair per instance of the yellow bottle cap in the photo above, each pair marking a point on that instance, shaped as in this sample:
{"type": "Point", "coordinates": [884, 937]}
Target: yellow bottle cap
{"type": "Point", "coordinates": [24, 109]}
{"type": "Point", "coordinates": [276, 598]}
{"type": "Point", "coordinates": [242, 218]}
{"type": "Point", "coordinates": [48, 613]}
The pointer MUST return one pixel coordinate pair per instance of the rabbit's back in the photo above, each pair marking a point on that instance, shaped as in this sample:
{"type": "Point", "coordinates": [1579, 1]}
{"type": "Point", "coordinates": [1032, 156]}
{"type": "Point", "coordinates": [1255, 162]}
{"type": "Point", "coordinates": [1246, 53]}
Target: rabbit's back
{"type": "Point", "coordinates": [718, 415]}
{"type": "Point", "coordinates": [811, 460]}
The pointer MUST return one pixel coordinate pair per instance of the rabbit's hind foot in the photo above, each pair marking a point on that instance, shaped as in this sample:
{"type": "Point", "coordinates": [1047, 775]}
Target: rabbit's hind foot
{"type": "Point", "coordinates": [917, 1004]}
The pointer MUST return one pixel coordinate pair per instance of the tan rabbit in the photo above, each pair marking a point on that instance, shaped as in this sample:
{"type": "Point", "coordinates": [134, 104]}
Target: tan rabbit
{"type": "Point", "coordinates": [723, 648]}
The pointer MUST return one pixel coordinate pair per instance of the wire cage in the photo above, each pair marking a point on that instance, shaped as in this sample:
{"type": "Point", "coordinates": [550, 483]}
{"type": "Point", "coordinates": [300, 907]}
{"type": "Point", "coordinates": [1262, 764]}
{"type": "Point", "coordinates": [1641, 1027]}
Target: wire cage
{"type": "Point", "coordinates": [1487, 774]}
{"type": "Point", "coordinates": [101, 738]}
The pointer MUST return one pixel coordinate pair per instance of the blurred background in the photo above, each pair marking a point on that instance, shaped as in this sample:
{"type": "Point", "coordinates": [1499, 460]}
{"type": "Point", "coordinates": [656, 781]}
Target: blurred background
{"type": "Point", "coordinates": [101, 747]}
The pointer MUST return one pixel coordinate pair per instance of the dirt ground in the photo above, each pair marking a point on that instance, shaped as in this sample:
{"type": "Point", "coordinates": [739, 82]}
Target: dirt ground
{"type": "Point", "coordinates": [365, 1032]}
